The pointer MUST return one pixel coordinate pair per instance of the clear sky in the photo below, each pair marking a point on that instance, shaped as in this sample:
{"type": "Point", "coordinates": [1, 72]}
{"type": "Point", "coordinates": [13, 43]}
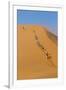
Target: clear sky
{"type": "Point", "coordinates": [45, 18]}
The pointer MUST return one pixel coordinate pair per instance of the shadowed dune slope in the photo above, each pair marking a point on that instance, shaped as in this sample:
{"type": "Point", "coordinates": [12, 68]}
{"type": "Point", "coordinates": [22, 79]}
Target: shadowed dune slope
{"type": "Point", "coordinates": [36, 53]}
{"type": "Point", "coordinates": [52, 36]}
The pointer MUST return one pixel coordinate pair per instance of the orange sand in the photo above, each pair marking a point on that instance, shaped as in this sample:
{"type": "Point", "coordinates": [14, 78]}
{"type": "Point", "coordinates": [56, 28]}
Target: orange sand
{"type": "Point", "coordinates": [32, 61]}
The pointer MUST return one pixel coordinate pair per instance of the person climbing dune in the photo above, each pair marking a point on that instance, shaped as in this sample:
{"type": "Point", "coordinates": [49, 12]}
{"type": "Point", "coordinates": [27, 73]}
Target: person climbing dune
{"type": "Point", "coordinates": [23, 27]}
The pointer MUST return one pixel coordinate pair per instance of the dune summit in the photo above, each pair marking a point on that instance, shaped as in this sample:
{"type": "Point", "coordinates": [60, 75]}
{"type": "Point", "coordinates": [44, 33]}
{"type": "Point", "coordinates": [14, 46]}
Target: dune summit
{"type": "Point", "coordinates": [36, 53]}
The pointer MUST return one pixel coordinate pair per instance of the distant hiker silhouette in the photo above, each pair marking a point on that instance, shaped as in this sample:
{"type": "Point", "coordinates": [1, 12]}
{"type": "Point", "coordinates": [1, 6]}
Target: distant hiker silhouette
{"type": "Point", "coordinates": [23, 27]}
{"type": "Point", "coordinates": [48, 56]}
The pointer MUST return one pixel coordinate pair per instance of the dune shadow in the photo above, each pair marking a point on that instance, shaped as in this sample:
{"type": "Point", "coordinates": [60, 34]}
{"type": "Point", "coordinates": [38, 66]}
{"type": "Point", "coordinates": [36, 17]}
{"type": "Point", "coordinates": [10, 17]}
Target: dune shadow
{"type": "Point", "coordinates": [52, 36]}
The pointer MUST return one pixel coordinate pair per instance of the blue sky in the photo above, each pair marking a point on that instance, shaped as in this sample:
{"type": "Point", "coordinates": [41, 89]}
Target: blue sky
{"type": "Point", "coordinates": [45, 18]}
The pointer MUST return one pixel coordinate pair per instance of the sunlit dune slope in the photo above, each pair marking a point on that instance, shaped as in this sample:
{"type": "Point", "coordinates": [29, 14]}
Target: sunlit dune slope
{"type": "Point", "coordinates": [36, 52]}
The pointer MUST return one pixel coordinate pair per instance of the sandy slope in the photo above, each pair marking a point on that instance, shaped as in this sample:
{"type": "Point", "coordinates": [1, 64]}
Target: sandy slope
{"type": "Point", "coordinates": [37, 53]}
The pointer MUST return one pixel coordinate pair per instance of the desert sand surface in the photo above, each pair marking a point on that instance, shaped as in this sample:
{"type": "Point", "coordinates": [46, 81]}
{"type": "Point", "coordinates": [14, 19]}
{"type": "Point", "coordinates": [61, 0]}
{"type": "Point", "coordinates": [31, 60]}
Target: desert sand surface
{"type": "Point", "coordinates": [36, 53]}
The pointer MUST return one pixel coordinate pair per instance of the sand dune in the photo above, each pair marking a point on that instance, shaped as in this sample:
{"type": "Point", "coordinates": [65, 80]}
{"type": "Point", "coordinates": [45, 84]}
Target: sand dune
{"type": "Point", "coordinates": [36, 53]}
